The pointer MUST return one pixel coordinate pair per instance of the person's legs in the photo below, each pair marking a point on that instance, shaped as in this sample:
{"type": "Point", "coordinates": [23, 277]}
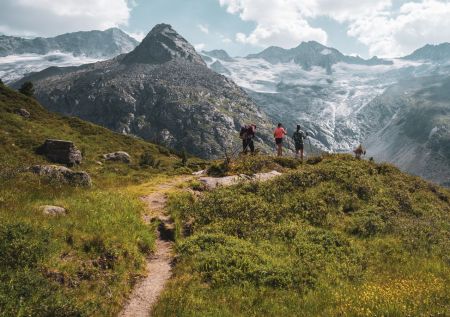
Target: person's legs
{"type": "Point", "coordinates": [301, 151]}
{"type": "Point", "coordinates": [244, 146]}
{"type": "Point", "coordinates": [251, 146]}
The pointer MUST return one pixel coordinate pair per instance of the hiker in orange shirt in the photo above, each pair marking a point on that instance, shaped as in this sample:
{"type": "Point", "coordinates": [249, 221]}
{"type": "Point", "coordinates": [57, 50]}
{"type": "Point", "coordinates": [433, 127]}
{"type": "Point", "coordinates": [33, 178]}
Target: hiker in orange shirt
{"type": "Point", "coordinates": [279, 134]}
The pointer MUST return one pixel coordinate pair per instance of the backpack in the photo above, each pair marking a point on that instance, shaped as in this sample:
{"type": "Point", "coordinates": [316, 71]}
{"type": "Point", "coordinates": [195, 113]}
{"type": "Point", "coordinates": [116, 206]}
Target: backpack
{"type": "Point", "coordinates": [299, 136]}
{"type": "Point", "coordinates": [243, 132]}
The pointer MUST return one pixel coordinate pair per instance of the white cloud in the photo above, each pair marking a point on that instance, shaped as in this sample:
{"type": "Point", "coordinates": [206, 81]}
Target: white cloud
{"type": "Point", "coordinates": [203, 28]}
{"type": "Point", "coordinates": [200, 46]}
{"type": "Point", "coordinates": [139, 36]}
{"type": "Point", "coordinates": [385, 30]}
{"type": "Point", "coordinates": [281, 22]}
{"type": "Point", "coordinates": [226, 40]}
{"type": "Point", "coordinates": [49, 17]}
{"type": "Point", "coordinates": [416, 24]}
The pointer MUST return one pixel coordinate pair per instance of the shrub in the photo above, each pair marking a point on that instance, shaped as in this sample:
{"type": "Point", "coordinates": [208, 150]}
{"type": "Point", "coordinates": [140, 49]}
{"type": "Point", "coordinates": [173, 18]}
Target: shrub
{"type": "Point", "coordinates": [27, 89]}
{"type": "Point", "coordinates": [147, 160]}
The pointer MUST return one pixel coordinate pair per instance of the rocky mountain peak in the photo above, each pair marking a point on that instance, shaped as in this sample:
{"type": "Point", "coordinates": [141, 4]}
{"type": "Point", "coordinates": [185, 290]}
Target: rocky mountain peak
{"type": "Point", "coordinates": [437, 53]}
{"type": "Point", "coordinates": [161, 45]}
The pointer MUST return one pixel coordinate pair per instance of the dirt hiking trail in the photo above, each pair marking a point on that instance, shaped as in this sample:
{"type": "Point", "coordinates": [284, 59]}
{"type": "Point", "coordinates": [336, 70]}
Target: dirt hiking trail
{"type": "Point", "coordinates": [158, 267]}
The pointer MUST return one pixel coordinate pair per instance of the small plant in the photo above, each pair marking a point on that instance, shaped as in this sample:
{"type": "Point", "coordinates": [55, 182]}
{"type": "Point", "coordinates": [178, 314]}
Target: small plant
{"type": "Point", "coordinates": [27, 89]}
{"type": "Point", "coordinates": [184, 157]}
{"type": "Point", "coordinates": [148, 160]}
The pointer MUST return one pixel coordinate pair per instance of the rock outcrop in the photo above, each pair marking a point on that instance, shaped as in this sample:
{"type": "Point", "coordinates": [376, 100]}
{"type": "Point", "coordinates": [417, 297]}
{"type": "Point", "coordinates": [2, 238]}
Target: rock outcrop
{"type": "Point", "coordinates": [62, 175]}
{"type": "Point", "coordinates": [60, 151]}
{"type": "Point", "coordinates": [23, 112]}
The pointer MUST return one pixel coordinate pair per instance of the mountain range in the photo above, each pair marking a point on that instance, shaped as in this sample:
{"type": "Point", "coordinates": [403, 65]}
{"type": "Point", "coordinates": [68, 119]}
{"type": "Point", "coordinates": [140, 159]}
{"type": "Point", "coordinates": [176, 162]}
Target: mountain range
{"type": "Point", "coordinates": [97, 44]}
{"type": "Point", "coordinates": [161, 91]}
{"type": "Point", "coordinates": [20, 56]}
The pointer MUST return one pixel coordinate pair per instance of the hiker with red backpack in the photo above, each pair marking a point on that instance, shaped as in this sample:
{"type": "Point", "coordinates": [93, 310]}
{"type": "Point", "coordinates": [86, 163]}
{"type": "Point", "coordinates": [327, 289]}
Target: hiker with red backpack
{"type": "Point", "coordinates": [247, 135]}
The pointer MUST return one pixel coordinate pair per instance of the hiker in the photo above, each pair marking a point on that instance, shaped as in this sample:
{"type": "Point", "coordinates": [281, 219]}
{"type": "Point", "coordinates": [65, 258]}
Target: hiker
{"type": "Point", "coordinates": [298, 137]}
{"type": "Point", "coordinates": [279, 134]}
{"type": "Point", "coordinates": [359, 151]}
{"type": "Point", "coordinates": [247, 135]}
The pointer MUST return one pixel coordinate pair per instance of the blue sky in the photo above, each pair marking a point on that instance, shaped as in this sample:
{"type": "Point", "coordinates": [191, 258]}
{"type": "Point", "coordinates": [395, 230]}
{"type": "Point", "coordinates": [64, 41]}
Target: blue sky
{"type": "Point", "coordinates": [386, 28]}
{"type": "Point", "coordinates": [189, 17]}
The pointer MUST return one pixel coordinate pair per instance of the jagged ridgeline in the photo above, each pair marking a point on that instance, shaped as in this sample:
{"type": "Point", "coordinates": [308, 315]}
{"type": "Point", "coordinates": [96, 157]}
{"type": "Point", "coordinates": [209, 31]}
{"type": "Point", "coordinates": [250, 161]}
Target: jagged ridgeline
{"type": "Point", "coordinates": [162, 91]}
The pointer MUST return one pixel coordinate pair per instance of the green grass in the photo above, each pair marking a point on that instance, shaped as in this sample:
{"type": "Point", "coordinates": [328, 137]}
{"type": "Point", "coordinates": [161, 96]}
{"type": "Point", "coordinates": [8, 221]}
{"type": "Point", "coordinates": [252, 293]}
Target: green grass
{"type": "Point", "coordinates": [341, 237]}
{"type": "Point", "coordinates": [84, 263]}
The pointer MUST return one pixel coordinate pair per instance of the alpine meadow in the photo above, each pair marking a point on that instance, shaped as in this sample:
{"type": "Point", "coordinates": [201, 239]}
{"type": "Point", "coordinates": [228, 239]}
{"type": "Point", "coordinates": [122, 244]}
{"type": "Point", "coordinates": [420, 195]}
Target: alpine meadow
{"type": "Point", "coordinates": [224, 158]}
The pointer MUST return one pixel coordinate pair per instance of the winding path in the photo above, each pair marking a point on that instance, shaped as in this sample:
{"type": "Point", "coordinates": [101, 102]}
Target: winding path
{"type": "Point", "coordinates": [158, 268]}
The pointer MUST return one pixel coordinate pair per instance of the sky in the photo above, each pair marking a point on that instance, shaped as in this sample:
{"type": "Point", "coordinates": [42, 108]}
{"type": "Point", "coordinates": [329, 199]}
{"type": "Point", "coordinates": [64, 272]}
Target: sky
{"type": "Point", "coordinates": [385, 28]}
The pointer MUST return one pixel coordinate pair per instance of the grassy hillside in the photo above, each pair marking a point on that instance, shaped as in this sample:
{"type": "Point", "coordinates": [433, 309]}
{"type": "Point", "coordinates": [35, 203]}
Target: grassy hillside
{"type": "Point", "coordinates": [82, 264]}
{"type": "Point", "coordinates": [342, 237]}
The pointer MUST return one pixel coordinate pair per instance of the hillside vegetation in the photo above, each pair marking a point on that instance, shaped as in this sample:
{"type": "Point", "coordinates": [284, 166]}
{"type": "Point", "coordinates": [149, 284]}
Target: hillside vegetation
{"type": "Point", "coordinates": [340, 237]}
{"type": "Point", "coordinates": [84, 263]}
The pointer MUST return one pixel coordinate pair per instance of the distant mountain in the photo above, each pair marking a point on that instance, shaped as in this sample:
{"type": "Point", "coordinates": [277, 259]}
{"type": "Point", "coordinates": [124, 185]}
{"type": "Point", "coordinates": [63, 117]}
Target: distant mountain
{"type": "Point", "coordinates": [435, 53]}
{"type": "Point", "coordinates": [219, 54]}
{"type": "Point", "coordinates": [161, 91]}
{"type": "Point", "coordinates": [97, 44]}
{"type": "Point", "coordinates": [219, 68]}
{"type": "Point", "coordinates": [416, 134]}
{"type": "Point", "coordinates": [309, 54]}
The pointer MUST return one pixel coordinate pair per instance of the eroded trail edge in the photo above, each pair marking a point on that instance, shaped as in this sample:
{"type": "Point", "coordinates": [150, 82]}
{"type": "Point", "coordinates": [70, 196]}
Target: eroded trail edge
{"type": "Point", "coordinates": [158, 267]}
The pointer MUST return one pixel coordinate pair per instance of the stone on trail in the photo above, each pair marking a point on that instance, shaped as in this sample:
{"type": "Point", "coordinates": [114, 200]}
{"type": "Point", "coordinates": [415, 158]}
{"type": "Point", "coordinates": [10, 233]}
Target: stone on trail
{"type": "Point", "coordinates": [60, 151]}
{"type": "Point", "coordinates": [53, 210]}
{"type": "Point", "coordinates": [119, 156]}
{"type": "Point", "coordinates": [214, 182]}
{"type": "Point", "coordinates": [63, 175]}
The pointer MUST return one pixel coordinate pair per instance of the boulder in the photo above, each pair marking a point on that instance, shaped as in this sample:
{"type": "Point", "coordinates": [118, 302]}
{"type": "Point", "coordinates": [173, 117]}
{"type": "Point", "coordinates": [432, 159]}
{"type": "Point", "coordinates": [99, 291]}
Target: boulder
{"type": "Point", "coordinates": [23, 112]}
{"type": "Point", "coordinates": [53, 210]}
{"type": "Point", "coordinates": [63, 175]}
{"type": "Point", "coordinates": [119, 156]}
{"type": "Point", "coordinates": [60, 151]}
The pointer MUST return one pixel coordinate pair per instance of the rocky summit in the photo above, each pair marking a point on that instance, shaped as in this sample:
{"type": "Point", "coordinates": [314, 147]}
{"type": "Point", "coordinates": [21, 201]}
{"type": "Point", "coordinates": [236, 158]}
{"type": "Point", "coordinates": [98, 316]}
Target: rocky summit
{"type": "Point", "coordinates": [161, 91]}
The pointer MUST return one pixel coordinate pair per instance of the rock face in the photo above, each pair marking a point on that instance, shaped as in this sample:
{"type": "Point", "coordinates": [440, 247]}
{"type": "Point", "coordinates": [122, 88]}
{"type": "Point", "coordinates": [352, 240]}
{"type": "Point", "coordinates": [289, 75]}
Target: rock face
{"type": "Point", "coordinates": [62, 175]}
{"type": "Point", "coordinates": [97, 44]}
{"type": "Point", "coordinates": [59, 151]}
{"type": "Point", "coordinates": [162, 91]}
{"type": "Point", "coordinates": [119, 156]}
{"type": "Point", "coordinates": [53, 210]}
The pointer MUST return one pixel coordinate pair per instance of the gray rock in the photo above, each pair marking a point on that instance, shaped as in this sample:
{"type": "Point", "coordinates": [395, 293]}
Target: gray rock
{"type": "Point", "coordinates": [53, 210]}
{"type": "Point", "coordinates": [23, 112]}
{"type": "Point", "coordinates": [62, 175]}
{"type": "Point", "coordinates": [119, 156]}
{"type": "Point", "coordinates": [60, 151]}
{"type": "Point", "coordinates": [215, 182]}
